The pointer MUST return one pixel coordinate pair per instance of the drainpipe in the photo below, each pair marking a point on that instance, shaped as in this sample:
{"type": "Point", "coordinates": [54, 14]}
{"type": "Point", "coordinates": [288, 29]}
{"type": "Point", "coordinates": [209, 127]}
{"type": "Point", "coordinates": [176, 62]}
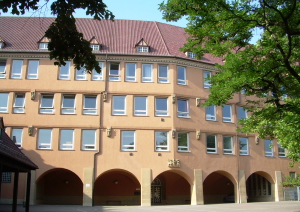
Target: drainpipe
{"type": "Point", "coordinates": [100, 131]}
{"type": "Point", "coordinates": [237, 142]}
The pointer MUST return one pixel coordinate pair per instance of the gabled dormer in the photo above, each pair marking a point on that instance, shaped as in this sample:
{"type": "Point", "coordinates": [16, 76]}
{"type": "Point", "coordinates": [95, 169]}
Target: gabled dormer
{"type": "Point", "coordinates": [43, 43]}
{"type": "Point", "coordinates": [142, 46]}
{"type": "Point", "coordinates": [2, 43]}
{"type": "Point", "coordinates": [95, 44]}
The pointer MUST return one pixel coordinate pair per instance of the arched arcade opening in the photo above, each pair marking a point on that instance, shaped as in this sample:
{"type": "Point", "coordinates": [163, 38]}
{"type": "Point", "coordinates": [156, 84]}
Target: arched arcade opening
{"type": "Point", "coordinates": [260, 187]}
{"type": "Point", "coordinates": [170, 188]}
{"type": "Point", "coordinates": [117, 187]}
{"type": "Point", "coordinates": [219, 187]}
{"type": "Point", "coordinates": [59, 187]}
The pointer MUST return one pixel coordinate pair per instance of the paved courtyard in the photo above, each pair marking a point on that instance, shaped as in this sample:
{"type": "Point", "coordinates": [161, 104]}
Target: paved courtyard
{"type": "Point", "coordinates": [287, 206]}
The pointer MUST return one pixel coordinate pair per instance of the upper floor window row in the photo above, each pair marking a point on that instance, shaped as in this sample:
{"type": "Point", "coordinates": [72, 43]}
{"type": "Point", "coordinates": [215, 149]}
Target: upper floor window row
{"type": "Point", "coordinates": [66, 139]}
{"type": "Point", "coordinates": [17, 69]}
{"type": "Point", "coordinates": [147, 75]}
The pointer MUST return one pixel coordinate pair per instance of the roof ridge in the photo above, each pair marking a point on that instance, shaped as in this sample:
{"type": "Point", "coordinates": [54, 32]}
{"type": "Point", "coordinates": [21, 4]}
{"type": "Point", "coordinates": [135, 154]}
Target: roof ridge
{"type": "Point", "coordinates": [164, 42]}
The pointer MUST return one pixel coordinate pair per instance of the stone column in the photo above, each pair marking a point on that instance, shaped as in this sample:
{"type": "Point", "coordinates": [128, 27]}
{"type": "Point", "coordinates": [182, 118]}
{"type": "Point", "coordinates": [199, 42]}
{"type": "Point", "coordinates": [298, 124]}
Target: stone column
{"type": "Point", "coordinates": [242, 187]}
{"type": "Point", "coordinates": [88, 185]}
{"type": "Point", "coordinates": [146, 187]}
{"type": "Point", "coordinates": [278, 187]}
{"type": "Point", "coordinates": [32, 200]}
{"type": "Point", "coordinates": [197, 188]}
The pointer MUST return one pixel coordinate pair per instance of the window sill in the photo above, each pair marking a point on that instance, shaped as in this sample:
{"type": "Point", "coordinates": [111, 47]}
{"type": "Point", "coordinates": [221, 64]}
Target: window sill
{"type": "Point", "coordinates": [66, 149]}
{"type": "Point", "coordinates": [211, 120]}
{"type": "Point", "coordinates": [188, 117]}
{"type": "Point", "coordinates": [132, 81]}
{"type": "Point", "coordinates": [89, 114]}
{"type": "Point", "coordinates": [184, 151]}
{"type": "Point", "coordinates": [244, 155]}
{"type": "Point", "coordinates": [46, 149]}
{"type": "Point", "coordinates": [229, 122]}
{"type": "Point", "coordinates": [32, 79]}
{"type": "Point", "coordinates": [214, 153]}
{"type": "Point", "coordinates": [68, 114]}
{"type": "Point", "coordinates": [47, 113]}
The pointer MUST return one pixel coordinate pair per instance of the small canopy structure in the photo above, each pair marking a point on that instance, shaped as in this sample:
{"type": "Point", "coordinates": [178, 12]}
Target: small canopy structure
{"type": "Point", "coordinates": [13, 160]}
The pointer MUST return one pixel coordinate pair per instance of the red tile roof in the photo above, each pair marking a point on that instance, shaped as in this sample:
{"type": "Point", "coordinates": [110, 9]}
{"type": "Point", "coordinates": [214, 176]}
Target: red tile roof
{"type": "Point", "coordinates": [118, 37]}
{"type": "Point", "coordinates": [9, 149]}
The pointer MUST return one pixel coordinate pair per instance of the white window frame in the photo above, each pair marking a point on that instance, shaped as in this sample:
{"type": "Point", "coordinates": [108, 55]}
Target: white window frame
{"type": "Point", "coordinates": [269, 152]}
{"type": "Point", "coordinates": [19, 108]}
{"type": "Point", "coordinates": [87, 145]}
{"type": "Point", "coordinates": [66, 109]}
{"type": "Point", "coordinates": [80, 74]}
{"type": "Point", "coordinates": [158, 147]}
{"type": "Point", "coordinates": [18, 132]}
{"type": "Point", "coordinates": [66, 144]}
{"type": "Point", "coordinates": [118, 112]}
{"type": "Point", "coordinates": [161, 112]}
{"type": "Point", "coordinates": [2, 69]}
{"type": "Point", "coordinates": [114, 77]}
{"type": "Point", "coordinates": [4, 109]}
{"type": "Point", "coordinates": [241, 109]}
{"type": "Point", "coordinates": [33, 75]}
{"type": "Point", "coordinates": [281, 151]}
{"type": "Point", "coordinates": [65, 76]}
{"type": "Point", "coordinates": [87, 110]}
{"type": "Point", "coordinates": [95, 47]}
{"type": "Point", "coordinates": [160, 78]}
{"type": "Point", "coordinates": [144, 111]}
{"type": "Point", "coordinates": [144, 78]}
{"type": "Point", "coordinates": [16, 74]}
{"type": "Point", "coordinates": [130, 78]}
{"type": "Point", "coordinates": [205, 81]}
{"type": "Point", "coordinates": [183, 114]}
{"type": "Point", "coordinates": [210, 150]}
{"type": "Point", "coordinates": [210, 117]}
{"type": "Point", "coordinates": [43, 46]}
{"type": "Point", "coordinates": [228, 151]}
{"type": "Point", "coordinates": [47, 109]}
{"type": "Point", "coordinates": [225, 118]}
{"type": "Point", "coordinates": [48, 143]}
{"type": "Point", "coordinates": [244, 152]}
{"type": "Point", "coordinates": [96, 76]}
{"type": "Point", "coordinates": [142, 49]}
{"type": "Point", "coordinates": [183, 148]}
{"type": "Point", "coordinates": [181, 81]}
{"type": "Point", "coordinates": [191, 55]}
{"type": "Point", "coordinates": [125, 146]}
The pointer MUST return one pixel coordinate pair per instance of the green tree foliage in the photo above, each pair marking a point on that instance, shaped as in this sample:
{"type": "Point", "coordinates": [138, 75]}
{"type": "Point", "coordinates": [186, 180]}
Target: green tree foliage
{"type": "Point", "coordinates": [268, 70]}
{"type": "Point", "coordinates": [66, 43]}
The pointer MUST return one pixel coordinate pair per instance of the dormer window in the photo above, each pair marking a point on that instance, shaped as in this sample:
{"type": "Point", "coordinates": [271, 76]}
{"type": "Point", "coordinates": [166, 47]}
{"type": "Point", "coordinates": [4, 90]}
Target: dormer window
{"type": "Point", "coordinates": [142, 49]}
{"type": "Point", "coordinates": [43, 43]}
{"type": "Point", "coordinates": [191, 55]}
{"type": "Point", "coordinates": [43, 46]}
{"type": "Point", "coordinates": [142, 46]}
{"type": "Point", "coordinates": [95, 47]}
{"type": "Point", "coordinates": [94, 44]}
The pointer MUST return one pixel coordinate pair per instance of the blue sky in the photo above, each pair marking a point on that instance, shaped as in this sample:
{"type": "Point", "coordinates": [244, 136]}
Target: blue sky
{"type": "Point", "coordinates": [144, 10]}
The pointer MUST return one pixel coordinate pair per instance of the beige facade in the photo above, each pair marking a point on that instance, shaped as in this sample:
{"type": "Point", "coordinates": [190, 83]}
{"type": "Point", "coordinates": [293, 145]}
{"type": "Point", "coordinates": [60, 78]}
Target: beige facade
{"type": "Point", "coordinates": [123, 176]}
{"type": "Point", "coordinates": [135, 135]}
